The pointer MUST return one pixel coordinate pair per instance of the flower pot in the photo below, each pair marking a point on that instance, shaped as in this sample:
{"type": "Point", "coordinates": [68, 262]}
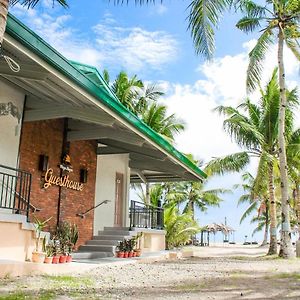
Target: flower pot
{"type": "Point", "coordinates": [133, 254]}
{"type": "Point", "coordinates": [138, 252]}
{"type": "Point", "coordinates": [62, 259]}
{"type": "Point", "coordinates": [55, 259]}
{"type": "Point", "coordinates": [69, 259]}
{"type": "Point", "coordinates": [120, 254]}
{"type": "Point", "coordinates": [38, 257]}
{"type": "Point", "coordinates": [125, 254]}
{"type": "Point", "coordinates": [48, 260]}
{"type": "Point", "coordinates": [130, 254]}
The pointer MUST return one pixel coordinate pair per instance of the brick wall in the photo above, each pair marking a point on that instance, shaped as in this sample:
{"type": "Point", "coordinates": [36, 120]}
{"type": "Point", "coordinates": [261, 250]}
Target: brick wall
{"type": "Point", "coordinates": [46, 137]}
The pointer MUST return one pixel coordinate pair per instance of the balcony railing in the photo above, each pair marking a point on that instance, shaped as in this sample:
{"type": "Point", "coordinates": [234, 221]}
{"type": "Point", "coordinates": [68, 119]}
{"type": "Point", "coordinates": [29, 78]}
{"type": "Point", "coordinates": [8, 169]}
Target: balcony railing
{"type": "Point", "coordinates": [15, 186]}
{"type": "Point", "coordinates": [146, 216]}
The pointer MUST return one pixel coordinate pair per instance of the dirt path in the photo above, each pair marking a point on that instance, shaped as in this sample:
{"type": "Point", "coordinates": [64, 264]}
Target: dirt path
{"type": "Point", "coordinates": [216, 273]}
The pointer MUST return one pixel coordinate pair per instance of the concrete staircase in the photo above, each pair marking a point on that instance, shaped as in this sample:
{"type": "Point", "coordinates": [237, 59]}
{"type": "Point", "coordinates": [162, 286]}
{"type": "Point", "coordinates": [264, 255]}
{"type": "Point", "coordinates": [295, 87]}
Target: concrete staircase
{"type": "Point", "coordinates": [104, 244]}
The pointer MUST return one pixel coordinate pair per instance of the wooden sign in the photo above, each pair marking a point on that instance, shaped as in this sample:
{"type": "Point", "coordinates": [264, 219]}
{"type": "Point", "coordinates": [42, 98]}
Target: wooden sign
{"type": "Point", "coordinates": [63, 181]}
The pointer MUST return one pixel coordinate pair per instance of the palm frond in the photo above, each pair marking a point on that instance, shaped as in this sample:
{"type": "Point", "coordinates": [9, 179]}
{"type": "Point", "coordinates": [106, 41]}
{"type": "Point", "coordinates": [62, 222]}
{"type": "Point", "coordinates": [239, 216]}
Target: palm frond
{"type": "Point", "coordinates": [249, 211]}
{"type": "Point", "coordinates": [257, 56]}
{"type": "Point", "coordinates": [248, 25]}
{"type": "Point", "coordinates": [204, 17]}
{"type": "Point", "coordinates": [230, 163]}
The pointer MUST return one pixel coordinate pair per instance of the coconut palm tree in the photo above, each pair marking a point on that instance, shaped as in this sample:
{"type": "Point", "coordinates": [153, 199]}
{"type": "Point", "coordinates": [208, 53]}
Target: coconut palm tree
{"type": "Point", "coordinates": [256, 194]}
{"type": "Point", "coordinates": [278, 22]}
{"type": "Point", "coordinates": [133, 92]}
{"type": "Point", "coordinates": [254, 128]}
{"type": "Point", "coordinates": [4, 6]}
{"type": "Point", "coordinates": [179, 227]}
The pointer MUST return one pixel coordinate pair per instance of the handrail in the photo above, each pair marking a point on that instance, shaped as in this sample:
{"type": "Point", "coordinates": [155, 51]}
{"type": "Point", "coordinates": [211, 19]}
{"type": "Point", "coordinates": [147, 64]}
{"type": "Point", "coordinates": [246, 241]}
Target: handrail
{"type": "Point", "coordinates": [82, 215]}
{"type": "Point", "coordinates": [146, 216]}
{"type": "Point", "coordinates": [31, 206]}
{"type": "Point", "coordinates": [15, 190]}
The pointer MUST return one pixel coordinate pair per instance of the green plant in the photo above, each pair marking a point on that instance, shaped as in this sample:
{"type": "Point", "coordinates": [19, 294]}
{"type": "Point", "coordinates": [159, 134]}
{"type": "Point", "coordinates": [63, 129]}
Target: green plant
{"type": "Point", "coordinates": [73, 237]}
{"type": "Point", "coordinates": [121, 246]}
{"type": "Point", "coordinates": [39, 226]}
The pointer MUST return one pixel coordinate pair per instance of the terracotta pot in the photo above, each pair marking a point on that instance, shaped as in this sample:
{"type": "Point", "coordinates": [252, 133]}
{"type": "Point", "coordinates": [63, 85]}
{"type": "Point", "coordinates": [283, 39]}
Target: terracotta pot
{"type": "Point", "coordinates": [130, 254]}
{"type": "Point", "coordinates": [38, 257]}
{"type": "Point", "coordinates": [62, 259]}
{"type": "Point", "coordinates": [138, 253]}
{"type": "Point", "coordinates": [48, 260]}
{"type": "Point", "coordinates": [125, 254]}
{"type": "Point", "coordinates": [133, 254]}
{"type": "Point", "coordinates": [69, 258]}
{"type": "Point", "coordinates": [55, 259]}
{"type": "Point", "coordinates": [120, 254]}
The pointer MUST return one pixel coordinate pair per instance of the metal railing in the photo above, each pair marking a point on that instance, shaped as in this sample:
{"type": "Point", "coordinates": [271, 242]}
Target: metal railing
{"type": "Point", "coordinates": [15, 186]}
{"type": "Point", "coordinates": [82, 215]}
{"type": "Point", "coordinates": [146, 216]}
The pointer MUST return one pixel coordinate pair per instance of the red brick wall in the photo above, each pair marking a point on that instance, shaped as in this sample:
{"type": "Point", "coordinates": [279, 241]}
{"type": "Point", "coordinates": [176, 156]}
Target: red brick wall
{"type": "Point", "coordinates": [46, 137]}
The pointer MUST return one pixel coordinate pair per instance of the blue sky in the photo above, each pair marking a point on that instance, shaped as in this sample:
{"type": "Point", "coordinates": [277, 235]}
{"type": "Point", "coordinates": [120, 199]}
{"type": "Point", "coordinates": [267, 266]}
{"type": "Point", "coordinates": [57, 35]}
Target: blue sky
{"type": "Point", "coordinates": [154, 43]}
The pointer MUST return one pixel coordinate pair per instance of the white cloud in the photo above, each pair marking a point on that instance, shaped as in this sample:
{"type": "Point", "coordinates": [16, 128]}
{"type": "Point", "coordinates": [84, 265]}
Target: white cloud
{"type": "Point", "coordinates": [223, 84]}
{"type": "Point", "coordinates": [131, 48]}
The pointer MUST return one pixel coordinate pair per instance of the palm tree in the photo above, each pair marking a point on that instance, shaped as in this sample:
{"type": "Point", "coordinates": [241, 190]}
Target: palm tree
{"type": "Point", "coordinates": [257, 133]}
{"type": "Point", "coordinates": [4, 6]}
{"type": "Point", "coordinates": [155, 116]}
{"type": "Point", "coordinates": [278, 22]}
{"type": "Point", "coordinates": [132, 92]}
{"type": "Point", "coordinates": [257, 196]}
{"type": "Point", "coordinates": [180, 227]}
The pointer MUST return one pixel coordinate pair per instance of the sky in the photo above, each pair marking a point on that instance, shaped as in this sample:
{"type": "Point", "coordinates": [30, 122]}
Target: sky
{"type": "Point", "coordinates": [154, 43]}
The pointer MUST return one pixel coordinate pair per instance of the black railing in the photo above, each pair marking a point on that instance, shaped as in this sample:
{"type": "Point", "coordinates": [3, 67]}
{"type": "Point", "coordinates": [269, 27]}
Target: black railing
{"type": "Point", "coordinates": [82, 215]}
{"type": "Point", "coordinates": [15, 186]}
{"type": "Point", "coordinates": [146, 216]}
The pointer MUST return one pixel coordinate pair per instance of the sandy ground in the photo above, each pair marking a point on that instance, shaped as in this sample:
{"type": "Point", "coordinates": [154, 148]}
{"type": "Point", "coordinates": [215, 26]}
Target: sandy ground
{"type": "Point", "coordinates": [232, 272]}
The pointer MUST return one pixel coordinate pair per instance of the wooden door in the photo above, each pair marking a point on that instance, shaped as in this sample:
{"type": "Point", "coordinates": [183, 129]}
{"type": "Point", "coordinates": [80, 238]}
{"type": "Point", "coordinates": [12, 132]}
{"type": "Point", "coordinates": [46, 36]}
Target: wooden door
{"type": "Point", "coordinates": [119, 200]}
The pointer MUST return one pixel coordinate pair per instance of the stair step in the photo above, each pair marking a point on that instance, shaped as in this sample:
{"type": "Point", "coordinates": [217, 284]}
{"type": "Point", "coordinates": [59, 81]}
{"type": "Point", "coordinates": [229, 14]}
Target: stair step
{"type": "Point", "coordinates": [114, 232]}
{"type": "Point", "coordinates": [116, 228]}
{"type": "Point", "coordinates": [97, 248]}
{"type": "Point", "coordinates": [110, 237]}
{"type": "Point", "coordinates": [103, 242]}
{"type": "Point", "coordinates": [91, 255]}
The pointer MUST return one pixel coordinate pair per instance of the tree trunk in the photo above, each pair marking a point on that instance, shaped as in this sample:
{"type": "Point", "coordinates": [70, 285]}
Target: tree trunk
{"type": "Point", "coordinates": [286, 250]}
{"type": "Point", "coordinates": [273, 212]}
{"type": "Point", "coordinates": [3, 18]}
{"type": "Point", "coordinates": [297, 197]}
{"type": "Point", "coordinates": [265, 240]}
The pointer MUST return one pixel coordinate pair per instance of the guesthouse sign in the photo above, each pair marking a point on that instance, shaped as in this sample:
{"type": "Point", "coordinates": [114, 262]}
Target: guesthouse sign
{"type": "Point", "coordinates": [63, 181]}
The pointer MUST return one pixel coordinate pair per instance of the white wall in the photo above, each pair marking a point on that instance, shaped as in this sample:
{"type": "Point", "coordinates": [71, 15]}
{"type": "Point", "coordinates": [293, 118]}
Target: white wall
{"type": "Point", "coordinates": [10, 126]}
{"type": "Point", "coordinates": [107, 167]}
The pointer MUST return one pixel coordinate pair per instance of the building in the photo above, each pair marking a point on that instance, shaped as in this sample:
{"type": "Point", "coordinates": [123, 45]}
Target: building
{"type": "Point", "coordinates": [68, 145]}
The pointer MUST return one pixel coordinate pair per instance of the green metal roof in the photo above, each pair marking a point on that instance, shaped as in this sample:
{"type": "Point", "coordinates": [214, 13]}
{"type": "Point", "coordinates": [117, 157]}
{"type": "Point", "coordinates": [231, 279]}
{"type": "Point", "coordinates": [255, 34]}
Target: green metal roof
{"type": "Point", "coordinates": [37, 45]}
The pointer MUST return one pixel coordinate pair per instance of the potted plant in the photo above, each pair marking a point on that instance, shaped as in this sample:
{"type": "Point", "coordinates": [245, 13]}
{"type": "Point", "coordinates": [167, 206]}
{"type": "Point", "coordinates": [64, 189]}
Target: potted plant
{"type": "Point", "coordinates": [120, 249]}
{"type": "Point", "coordinates": [38, 256]}
{"type": "Point", "coordinates": [48, 249]}
{"type": "Point", "coordinates": [138, 249]}
{"type": "Point", "coordinates": [73, 238]}
{"type": "Point", "coordinates": [55, 249]}
{"type": "Point", "coordinates": [62, 233]}
{"type": "Point", "coordinates": [131, 245]}
{"type": "Point", "coordinates": [126, 248]}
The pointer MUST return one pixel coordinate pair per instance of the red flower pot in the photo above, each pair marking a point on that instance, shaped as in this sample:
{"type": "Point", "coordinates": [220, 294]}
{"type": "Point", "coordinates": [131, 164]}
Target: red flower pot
{"type": "Point", "coordinates": [125, 254]}
{"type": "Point", "coordinates": [130, 254]}
{"type": "Point", "coordinates": [134, 254]}
{"type": "Point", "coordinates": [120, 254]}
{"type": "Point", "coordinates": [69, 258]}
{"type": "Point", "coordinates": [62, 259]}
{"type": "Point", "coordinates": [55, 259]}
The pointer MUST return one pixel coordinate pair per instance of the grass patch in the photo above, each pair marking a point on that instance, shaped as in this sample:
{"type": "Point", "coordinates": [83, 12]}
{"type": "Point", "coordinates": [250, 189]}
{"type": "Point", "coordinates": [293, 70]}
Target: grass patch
{"type": "Point", "coordinates": [189, 287]}
{"type": "Point", "coordinates": [256, 258]}
{"type": "Point", "coordinates": [69, 281]}
{"type": "Point", "coordinates": [292, 276]}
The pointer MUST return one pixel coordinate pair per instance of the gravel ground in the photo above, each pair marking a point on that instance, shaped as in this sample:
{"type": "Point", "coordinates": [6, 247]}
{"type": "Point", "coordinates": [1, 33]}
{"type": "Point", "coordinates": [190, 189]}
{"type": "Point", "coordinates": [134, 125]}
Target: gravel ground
{"type": "Point", "coordinates": [215, 273]}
